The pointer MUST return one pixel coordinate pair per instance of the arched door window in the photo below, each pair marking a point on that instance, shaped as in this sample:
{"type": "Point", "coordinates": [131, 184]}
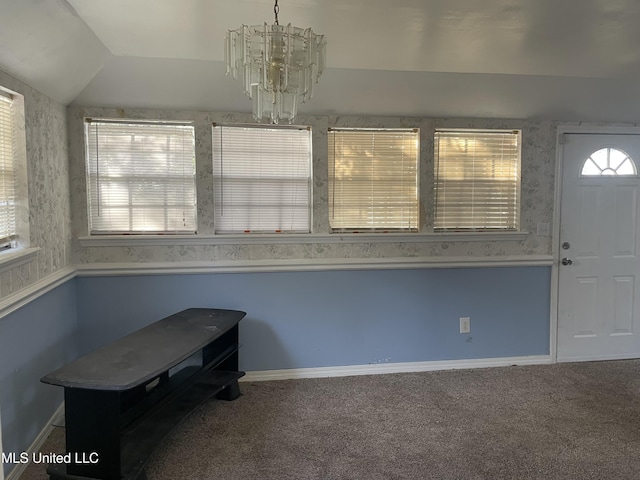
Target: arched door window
{"type": "Point", "coordinates": [608, 161]}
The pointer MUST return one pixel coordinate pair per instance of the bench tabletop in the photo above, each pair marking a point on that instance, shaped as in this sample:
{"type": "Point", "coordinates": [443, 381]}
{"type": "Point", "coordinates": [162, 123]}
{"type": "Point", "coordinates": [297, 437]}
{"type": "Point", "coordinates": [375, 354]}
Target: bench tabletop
{"type": "Point", "coordinates": [146, 353]}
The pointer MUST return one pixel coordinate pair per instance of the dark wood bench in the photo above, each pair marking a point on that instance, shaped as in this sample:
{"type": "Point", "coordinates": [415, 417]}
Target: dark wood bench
{"type": "Point", "coordinates": [124, 398]}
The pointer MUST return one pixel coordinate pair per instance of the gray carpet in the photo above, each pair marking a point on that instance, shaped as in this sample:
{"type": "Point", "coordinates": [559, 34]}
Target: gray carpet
{"type": "Point", "coordinates": [568, 421]}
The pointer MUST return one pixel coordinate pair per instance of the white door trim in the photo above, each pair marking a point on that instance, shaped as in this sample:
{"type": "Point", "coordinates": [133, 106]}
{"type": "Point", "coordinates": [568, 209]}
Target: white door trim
{"type": "Point", "coordinates": [555, 239]}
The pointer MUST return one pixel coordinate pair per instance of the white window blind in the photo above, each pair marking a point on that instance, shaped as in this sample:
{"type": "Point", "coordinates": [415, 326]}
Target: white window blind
{"type": "Point", "coordinates": [262, 179]}
{"type": "Point", "coordinates": [141, 177]}
{"type": "Point", "coordinates": [7, 173]}
{"type": "Point", "coordinates": [373, 179]}
{"type": "Point", "coordinates": [477, 180]}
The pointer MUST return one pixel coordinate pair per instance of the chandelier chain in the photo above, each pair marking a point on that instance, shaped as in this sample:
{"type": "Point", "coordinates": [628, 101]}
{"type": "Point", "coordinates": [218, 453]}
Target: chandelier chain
{"type": "Point", "coordinates": [276, 10]}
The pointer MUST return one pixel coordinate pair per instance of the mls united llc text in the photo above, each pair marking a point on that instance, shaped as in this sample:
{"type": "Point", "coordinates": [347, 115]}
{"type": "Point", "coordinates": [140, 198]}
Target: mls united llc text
{"type": "Point", "coordinates": [50, 458]}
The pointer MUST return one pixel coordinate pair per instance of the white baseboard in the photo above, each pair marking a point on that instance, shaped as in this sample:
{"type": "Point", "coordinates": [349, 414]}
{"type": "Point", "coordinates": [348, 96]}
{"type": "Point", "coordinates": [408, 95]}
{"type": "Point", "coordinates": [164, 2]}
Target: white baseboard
{"type": "Point", "coordinates": [382, 368]}
{"type": "Point", "coordinates": [56, 418]}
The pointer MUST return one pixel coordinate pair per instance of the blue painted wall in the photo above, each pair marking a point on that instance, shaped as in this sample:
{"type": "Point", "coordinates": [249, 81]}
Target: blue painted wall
{"type": "Point", "coordinates": [319, 319]}
{"type": "Point", "coordinates": [34, 340]}
{"type": "Point", "coordinates": [294, 320]}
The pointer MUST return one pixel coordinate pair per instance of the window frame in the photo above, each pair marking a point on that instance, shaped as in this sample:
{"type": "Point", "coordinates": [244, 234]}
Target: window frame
{"type": "Point", "coordinates": [87, 121]}
{"type": "Point", "coordinates": [15, 248]}
{"type": "Point", "coordinates": [7, 172]}
{"type": "Point", "coordinates": [517, 208]}
{"type": "Point", "coordinates": [384, 229]}
{"type": "Point", "coordinates": [266, 233]}
{"type": "Point", "coordinates": [609, 150]}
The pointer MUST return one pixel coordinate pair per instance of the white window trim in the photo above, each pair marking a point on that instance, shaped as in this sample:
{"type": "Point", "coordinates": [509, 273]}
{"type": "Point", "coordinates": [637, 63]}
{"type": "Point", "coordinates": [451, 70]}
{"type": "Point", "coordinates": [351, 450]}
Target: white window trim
{"type": "Point", "coordinates": [297, 238]}
{"type": "Point", "coordinates": [339, 230]}
{"type": "Point", "coordinates": [517, 131]}
{"type": "Point", "coordinates": [309, 188]}
{"type": "Point", "coordinates": [603, 175]}
{"type": "Point", "coordinates": [21, 241]}
{"type": "Point", "coordinates": [12, 258]}
{"type": "Point", "coordinates": [149, 122]}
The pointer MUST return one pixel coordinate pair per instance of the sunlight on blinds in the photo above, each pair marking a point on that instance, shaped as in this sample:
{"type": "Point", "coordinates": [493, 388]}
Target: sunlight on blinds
{"type": "Point", "coordinates": [141, 177]}
{"type": "Point", "coordinates": [262, 179]}
{"type": "Point", "coordinates": [373, 179]}
{"type": "Point", "coordinates": [7, 173]}
{"type": "Point", "coordinates": [477, 180]}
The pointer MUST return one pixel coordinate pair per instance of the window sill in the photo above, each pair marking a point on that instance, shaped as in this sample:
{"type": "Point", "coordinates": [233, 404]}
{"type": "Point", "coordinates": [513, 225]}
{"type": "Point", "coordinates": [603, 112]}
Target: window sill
{"type": "Point", "coordinates": [284, 238]}
{"type": "Point", "coordinates": [15, 257]}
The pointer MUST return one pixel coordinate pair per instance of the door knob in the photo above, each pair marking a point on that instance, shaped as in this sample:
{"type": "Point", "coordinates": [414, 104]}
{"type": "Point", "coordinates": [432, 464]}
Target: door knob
{"type": "Point", "coordinates": [567, 261]}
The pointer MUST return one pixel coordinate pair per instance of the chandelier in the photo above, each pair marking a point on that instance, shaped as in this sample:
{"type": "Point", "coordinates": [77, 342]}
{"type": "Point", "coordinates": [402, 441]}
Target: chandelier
{"type": "Point", "coordinates": [279, 66]}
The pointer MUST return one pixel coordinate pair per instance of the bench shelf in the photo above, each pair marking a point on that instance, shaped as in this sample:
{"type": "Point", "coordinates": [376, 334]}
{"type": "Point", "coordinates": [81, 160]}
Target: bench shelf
{"type": "Point", "coordinates": [123, 399]}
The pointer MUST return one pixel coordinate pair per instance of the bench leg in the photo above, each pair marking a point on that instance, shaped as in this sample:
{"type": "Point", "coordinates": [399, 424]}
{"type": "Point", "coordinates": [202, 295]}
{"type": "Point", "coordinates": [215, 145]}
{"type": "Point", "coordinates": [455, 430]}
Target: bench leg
{"type": "Point", "coordinates": [92, 426]}
{"type": "Point", "coordinates": [230, 392]}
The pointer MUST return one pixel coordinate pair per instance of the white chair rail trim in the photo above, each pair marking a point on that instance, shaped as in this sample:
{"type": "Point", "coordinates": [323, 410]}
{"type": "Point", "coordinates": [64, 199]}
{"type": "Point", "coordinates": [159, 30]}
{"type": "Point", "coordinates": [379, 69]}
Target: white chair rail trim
{"type": "Point", "coordinates": [16, 300]}
{"type": "Point", "coordinates": [302, 265]}
{"type": "Point", "coordinates": [13, 302]}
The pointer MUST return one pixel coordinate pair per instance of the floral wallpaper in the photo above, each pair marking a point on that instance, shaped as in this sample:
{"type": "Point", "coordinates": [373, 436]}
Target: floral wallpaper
{"type": "Point", "coordinates": [48, 211]}
{"type": "Point", "coordinates": [537, 191]}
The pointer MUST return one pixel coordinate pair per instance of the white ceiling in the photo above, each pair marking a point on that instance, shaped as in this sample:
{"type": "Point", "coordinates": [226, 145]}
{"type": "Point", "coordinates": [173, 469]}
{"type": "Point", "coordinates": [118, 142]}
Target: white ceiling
{"type": "Point", "coordinates": [560, 59]}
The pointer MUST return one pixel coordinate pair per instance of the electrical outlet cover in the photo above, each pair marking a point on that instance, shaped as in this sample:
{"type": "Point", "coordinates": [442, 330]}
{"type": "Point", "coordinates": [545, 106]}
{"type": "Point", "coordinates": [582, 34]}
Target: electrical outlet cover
{"type": "Point", "coordinates": [465, 324]}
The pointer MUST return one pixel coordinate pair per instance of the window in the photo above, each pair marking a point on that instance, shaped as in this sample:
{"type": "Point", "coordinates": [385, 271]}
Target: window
{"type": "Point", "coordinates": [262, 179]}
{"type": "Point", "coordinates": [608, 161]}
{"type": "Point", "coordinates": [7, 175]}
{"type": "Point", "coordinates": [141, 177]}
{"type": "Point", "coordinates": [373, 179]}
{"type": "Point", "coordinates": [477, 180]}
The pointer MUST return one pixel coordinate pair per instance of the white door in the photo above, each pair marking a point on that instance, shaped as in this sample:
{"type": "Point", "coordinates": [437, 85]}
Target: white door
{"type": "Point", "coordinates": [599, 277]}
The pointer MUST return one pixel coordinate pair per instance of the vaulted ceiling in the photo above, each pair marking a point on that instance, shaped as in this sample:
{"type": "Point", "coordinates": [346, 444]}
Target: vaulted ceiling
{"type": "Point", "coordinates": [565, 60]}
